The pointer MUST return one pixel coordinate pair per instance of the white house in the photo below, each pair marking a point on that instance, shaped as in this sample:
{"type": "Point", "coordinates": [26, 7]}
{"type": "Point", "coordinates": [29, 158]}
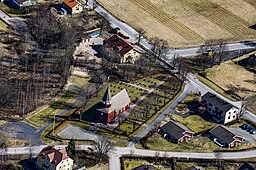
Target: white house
{"type": "Point", "coordinates": [24, 3]}
{"type": "Point", "coordinates": [220, 110]}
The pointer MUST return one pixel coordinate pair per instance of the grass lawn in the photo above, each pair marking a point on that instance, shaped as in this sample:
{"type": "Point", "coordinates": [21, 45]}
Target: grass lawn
{"type": "Point", "coordinates": [252, 107]}
{"type": "Point", "coordinates": [215, 88]}
{"type": "Point", "coordinates": [195, 123]}
{"type": "Point", "coordinates": [188, 104]}
{"type": "Point", "coordinates": [184, 165]}
{"type": "Point", "coordinates": [11, 11]}
{"type": "Point", "coordinates": [3, 26]}
{"type": "Point", "coordinates": [40, 118]}
{"type": "Point", "coordinates": [201, 144]}
{"type": "Point", "coordinates": [233, 77]}
{"type": "Point", "coordinates": [149, 82]}
{"type": "Point", "coordinates": [133, 92]}
{"type": "Point", "coordinates": [129, 164]}
{"type": "Point", "coordinates": [79, 81]}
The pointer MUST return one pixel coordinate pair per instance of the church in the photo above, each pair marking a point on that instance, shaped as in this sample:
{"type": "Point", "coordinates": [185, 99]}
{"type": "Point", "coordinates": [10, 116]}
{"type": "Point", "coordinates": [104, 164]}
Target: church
{"type": "Point", "coordinates": [112, 106]}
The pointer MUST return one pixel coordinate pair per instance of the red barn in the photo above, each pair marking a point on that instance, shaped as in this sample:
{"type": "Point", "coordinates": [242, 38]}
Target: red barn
{"type": "Point", "coordinates": [112, 106]}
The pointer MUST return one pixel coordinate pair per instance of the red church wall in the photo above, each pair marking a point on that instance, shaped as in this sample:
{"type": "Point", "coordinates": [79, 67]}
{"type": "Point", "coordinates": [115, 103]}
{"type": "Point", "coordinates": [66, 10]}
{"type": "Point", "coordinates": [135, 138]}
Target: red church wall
{"type": "Point", "coordinates": [111, 116]}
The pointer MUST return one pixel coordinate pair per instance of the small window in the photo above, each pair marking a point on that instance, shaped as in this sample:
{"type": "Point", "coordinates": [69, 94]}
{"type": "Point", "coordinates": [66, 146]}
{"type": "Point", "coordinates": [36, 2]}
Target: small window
{"type": "Point", "coordinates": [234, 116]}
{"type": "Point", "coordinates": [229, 117]}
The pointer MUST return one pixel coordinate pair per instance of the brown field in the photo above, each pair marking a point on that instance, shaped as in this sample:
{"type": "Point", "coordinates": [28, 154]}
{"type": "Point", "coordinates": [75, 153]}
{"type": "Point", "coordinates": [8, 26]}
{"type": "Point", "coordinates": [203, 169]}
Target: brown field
{"type": "Point", "coordinates": [229, 75]}
{"type": "Point", "coordinates": [188, 22]}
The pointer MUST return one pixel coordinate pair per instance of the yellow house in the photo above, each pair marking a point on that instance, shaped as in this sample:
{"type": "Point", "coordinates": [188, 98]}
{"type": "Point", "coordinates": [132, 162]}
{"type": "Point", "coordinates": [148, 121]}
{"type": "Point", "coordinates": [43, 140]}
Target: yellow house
{"type": "Point", "coordinates": [127, 53]}
{"type": "Point", "coordinates": [73, 6]}
{"type": "Point", "coordinates": [130, 57]}
{"type": "Point", "coordinates": [52, 159]}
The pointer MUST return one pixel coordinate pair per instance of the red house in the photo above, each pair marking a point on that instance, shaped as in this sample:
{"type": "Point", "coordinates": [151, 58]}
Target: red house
{"type": "Point", "coordinates": [112, 106]}
{"type": "Point", "coordinates": [175, 132]}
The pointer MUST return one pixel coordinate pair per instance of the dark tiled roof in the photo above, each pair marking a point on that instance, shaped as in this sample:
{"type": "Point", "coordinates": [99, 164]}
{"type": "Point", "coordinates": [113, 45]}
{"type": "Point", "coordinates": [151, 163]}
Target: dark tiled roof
{"type": "Point", "coordinates": [117, 42]}
{"type": "Point", "coordinates": [144, 167]}
{"type": "Point", "coordinates": [223, 134]}
{"type": "Point", "coordinates": [214, 100]}
{"type": "Point", "coordinates": [247, 166]}
{"type": "Point", "coordinates": [107, 96]}
{"type": "Point", "coordinates": [173, 129]}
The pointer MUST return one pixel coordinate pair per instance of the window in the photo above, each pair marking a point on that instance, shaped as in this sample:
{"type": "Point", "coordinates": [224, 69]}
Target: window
{"type": "Point", "coordinates": [234, 116]}
{"type": "Point", "coordinates": [210, 104]}
{"type": "Point", "coordinates": [229, 112]}
{"type": "Point", "coordinates": [229, 117]}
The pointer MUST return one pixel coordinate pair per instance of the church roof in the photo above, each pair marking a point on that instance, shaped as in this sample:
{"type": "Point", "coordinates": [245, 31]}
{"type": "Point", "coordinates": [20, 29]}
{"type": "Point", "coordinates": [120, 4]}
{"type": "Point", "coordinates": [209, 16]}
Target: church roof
{"type": "Point", "coordinates": [120, 100]}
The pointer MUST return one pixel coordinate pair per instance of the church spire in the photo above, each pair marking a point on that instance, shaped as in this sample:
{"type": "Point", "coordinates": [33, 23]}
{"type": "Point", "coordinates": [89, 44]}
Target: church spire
{"type": "Point", "coordinates": [106, 99]}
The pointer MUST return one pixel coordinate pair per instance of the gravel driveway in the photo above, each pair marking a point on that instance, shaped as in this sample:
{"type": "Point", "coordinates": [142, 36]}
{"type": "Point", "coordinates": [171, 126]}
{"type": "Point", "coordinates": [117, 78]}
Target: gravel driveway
{"type": "Point", "coordinates": [74, 132]}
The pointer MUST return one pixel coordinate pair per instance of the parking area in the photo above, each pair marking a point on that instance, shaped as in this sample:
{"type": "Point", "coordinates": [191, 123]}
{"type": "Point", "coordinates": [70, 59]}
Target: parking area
{"type": "Point", "coordinates": [74, 132]}
{"type": "Point", "coordinates": [248, 137]}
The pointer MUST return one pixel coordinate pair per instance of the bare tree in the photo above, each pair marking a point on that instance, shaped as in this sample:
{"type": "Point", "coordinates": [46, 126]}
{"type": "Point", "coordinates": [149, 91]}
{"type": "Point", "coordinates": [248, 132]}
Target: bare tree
{"type": "Point", "coordinates": [102, 147]}
{"type": "Point", "coordinates": [222, 47]}
{"type": "Point", "coordinates": [141, 33]}
{"type": "Point", "coordinates": [103, 22]}
{"type": "Point", "coordinates": [94, 4]}
{"type": "Point", "coordinates": [219, 160]}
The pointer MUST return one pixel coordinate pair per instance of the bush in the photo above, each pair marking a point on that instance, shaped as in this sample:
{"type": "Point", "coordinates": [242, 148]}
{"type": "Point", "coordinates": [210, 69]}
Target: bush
{"type": "Point", "coordinates": [202, 73]}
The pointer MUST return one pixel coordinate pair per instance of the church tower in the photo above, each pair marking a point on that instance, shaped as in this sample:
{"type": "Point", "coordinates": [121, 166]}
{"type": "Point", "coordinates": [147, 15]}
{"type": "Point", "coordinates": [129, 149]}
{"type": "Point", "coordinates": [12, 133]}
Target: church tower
{"type": "Point", "coordinates": [106, 99]}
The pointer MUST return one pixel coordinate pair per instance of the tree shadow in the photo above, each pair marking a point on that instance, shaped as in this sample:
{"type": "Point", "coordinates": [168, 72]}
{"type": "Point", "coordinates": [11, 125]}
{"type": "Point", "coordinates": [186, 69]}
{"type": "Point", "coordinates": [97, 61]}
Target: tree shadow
{"type": "Point", "coordinates": [89, 115]}
{"type": "Point", "coordinates": [253, 27]}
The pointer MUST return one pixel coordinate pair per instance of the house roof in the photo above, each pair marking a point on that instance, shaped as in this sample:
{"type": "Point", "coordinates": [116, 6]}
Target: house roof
{"type": "Point", "coordinates": [174, 129]}
{"type": "Point", "coordinates": [71, 3]}
{"type": "Point", "coordinates": [247, 166]}
{"type": "Point", "coordinates": [195, 168]}
{"type": "Point", "coordinates": [214, 100]}
{"type": "Point", "coordinates": [107, 96]}
{"type": "Point", "coordinates": [55, 156]}
{"type": "Point", "coordinates": [120, 100]}
{"type": "Point", "coordinates": [223, 134]}
{"type": "Point", "coordinates": [144, 167]}
{"type": "Point", "coordinates": [119, 43]}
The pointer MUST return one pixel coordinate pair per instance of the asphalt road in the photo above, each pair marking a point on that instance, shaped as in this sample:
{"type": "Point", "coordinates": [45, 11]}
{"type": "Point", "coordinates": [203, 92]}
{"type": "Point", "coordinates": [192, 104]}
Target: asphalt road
{"type": "Point", "coordinates": [169, 110]}
{"type": "Point", "coordinates": [21, 130]}
{"type": "Point", "coordinates": [204, 89]}
{"type": "Point", "coordinates": [185, 52]}
{"type": "Point", "coordinates": [121, 151]}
